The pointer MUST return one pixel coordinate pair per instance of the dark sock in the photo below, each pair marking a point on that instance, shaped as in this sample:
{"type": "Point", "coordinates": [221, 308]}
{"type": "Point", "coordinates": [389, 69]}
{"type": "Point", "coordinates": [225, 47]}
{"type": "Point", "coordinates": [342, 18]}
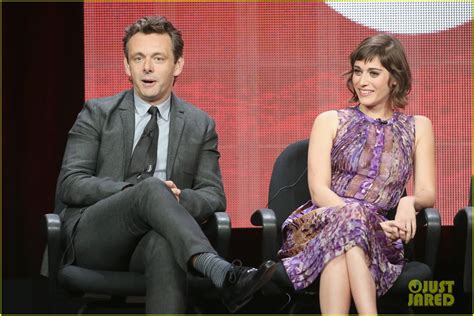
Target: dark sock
{"type": "Point", "coordinates": [212, 266]}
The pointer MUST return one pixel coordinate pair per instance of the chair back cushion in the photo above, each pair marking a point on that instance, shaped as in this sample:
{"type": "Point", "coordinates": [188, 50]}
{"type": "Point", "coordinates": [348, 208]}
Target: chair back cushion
{"type": "Point", "coordinates": [289, 187]}
{"type": "Point", "coordinates": [289, 182]}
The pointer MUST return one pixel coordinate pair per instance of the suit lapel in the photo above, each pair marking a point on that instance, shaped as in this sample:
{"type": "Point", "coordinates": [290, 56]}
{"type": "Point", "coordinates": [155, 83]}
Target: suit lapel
{"type": "Point", "coordinates": [177, 122]}
{"type": "Point", "coordinates": [127, 113]}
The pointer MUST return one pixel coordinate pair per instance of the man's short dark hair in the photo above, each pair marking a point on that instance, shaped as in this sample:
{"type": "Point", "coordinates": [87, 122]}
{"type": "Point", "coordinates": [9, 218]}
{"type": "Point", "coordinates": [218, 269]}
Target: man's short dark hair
{"type": "Point", "coordinates": [159, 25]}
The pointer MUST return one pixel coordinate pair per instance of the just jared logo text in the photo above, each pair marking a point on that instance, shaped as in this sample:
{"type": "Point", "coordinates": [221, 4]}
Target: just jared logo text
{"type": "Point", "coordinates": [430, 293]}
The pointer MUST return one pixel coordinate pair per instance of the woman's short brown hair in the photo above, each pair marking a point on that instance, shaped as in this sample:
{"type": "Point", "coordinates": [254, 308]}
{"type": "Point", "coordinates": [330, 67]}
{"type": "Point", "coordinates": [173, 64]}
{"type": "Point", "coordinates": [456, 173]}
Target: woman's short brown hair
{"type": "Point", "coordinates": [392, 56]}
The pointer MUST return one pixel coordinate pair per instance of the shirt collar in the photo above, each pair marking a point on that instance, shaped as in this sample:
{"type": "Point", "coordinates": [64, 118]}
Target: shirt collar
{"type": "Point", "coordinates": [141, 107]}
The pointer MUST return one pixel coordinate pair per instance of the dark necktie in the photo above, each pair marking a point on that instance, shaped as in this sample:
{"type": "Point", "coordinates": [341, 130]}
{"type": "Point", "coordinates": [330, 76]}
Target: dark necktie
{"type": "Point", "coordinates": [143, 161]}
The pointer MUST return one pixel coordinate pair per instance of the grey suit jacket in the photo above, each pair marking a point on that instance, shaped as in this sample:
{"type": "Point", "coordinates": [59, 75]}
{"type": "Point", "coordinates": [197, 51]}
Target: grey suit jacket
{"type": "Point", "coordinates": [99, 150]}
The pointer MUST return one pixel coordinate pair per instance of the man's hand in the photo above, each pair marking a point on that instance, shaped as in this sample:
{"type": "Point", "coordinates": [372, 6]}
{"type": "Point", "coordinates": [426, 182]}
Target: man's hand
{"type": "Point", "coordinates": [173, 188]}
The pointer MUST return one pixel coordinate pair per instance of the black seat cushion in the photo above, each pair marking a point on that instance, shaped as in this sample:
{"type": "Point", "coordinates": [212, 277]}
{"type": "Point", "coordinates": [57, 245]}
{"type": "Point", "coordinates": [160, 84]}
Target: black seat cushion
{"type": "Point", "coordinates": [412, 270]}
{"type": "Point", "coordinates": [120, 283]}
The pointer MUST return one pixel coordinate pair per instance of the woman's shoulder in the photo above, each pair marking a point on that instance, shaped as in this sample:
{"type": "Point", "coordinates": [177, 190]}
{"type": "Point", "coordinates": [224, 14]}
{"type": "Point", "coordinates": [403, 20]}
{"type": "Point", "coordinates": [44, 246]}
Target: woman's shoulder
{"type": "Point", "coordinates": [423, 125]}
{"type": "Point", "coordinates": [422, 120]}
{"type": "Point", "coordinates": [336, 117]}
{"type": "Point", "coordinates": [327, 115]}
{"type": "Point", "coordinates": [326, 122]}
{"type": "Point", "coordinates": [327, 118]}
{"type": "Point", "coordinates": [335, 114]}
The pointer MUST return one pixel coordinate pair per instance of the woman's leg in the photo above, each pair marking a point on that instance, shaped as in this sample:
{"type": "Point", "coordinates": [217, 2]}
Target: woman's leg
{"type": "Point", "coordinates": [362, 284]}
{"type": "Point", "coordinates": [334, 287]}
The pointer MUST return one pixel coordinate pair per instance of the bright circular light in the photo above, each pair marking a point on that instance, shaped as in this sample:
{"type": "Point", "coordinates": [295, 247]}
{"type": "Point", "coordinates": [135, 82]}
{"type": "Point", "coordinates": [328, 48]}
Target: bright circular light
{"type": "Point", "coordinates": [406, 17]}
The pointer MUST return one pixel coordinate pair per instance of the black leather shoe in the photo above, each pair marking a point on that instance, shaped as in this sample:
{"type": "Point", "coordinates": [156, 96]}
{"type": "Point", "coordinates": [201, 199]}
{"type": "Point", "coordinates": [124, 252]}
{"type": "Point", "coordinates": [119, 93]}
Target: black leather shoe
{"type": "Point", "coordinates": [242, 282]}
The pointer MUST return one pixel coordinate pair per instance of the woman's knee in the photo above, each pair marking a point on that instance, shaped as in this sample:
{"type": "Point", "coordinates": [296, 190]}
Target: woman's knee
{"type": "Point", "coordinates": [339, 260]}
{"type": "Point", "coordinates": [357, 254]}
{"type": "Point", "coordinates": [355, 251]}
{"type": "Point", "coordinates": [335, 268]}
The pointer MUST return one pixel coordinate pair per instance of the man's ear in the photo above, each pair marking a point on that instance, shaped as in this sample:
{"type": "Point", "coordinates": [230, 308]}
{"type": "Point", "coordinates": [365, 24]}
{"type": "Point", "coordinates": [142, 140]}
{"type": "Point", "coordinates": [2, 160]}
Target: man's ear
{"type": "Point", "coordinates": [127, 67]}
{"type": "Point", "coordinates": [178, 67]}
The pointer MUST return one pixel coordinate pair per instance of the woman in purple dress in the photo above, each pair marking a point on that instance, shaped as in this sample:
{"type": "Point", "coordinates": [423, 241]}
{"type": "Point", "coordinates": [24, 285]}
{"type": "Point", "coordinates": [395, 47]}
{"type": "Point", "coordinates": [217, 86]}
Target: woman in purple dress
{"type": "Point", "coordinates": [359, 161]}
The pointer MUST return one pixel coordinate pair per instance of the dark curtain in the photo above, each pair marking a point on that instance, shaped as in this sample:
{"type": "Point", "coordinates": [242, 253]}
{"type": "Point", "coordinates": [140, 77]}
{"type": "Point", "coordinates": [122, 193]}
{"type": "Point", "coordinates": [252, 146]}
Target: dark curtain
{"type": "Point", "coordinates": [42, 92]}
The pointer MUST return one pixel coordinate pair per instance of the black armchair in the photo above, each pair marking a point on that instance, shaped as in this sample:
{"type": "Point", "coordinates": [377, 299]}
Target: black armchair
{"type": "Point", "coordinates": [289, 189]}
{"type": "Point", "coordinates": [101, 290]}
{"type": "Point", "coordinates": [463, 256]}
{"type": "Point", "coordinates": [463, 235]}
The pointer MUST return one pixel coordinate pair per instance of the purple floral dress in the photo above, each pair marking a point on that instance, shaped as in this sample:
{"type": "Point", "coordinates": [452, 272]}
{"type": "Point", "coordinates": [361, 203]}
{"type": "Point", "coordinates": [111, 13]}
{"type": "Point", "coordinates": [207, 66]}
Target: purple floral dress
{"type": "Point", "coordinates": [371, 162]}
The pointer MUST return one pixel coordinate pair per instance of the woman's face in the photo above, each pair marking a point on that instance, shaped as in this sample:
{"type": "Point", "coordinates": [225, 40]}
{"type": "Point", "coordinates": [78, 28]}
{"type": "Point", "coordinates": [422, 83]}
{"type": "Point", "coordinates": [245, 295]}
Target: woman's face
{"type": "Point", "coordinates": [371, 83]}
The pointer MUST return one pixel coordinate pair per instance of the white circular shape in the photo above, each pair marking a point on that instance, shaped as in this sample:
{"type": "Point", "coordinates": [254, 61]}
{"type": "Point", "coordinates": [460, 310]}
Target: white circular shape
{"type": "Point", "coordinates": [406, 17]}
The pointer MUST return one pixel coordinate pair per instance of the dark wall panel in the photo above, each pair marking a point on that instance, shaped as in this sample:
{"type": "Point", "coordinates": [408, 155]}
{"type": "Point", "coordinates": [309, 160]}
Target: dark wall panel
{"type": "Point", "coordinates": [43, 90]}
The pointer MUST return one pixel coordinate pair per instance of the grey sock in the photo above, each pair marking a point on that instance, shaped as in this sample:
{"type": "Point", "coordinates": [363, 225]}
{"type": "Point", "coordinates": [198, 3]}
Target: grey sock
{"type": "Point", "coordinates": [212, 266]}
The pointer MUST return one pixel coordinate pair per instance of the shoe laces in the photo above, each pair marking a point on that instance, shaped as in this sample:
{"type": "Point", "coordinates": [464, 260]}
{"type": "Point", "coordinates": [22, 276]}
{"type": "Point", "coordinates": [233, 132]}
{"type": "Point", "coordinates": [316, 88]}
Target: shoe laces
{"type": "Point", "coordinates": [236, 270]}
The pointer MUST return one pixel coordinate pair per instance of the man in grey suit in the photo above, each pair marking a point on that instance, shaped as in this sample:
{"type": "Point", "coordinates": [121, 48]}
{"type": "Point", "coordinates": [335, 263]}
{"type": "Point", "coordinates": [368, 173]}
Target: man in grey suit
{"type": "Point", "coordinates": [120, 219]}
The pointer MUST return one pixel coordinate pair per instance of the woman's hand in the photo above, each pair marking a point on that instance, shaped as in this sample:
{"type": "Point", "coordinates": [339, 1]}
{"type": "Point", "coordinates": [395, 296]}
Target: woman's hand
{"type": "Point", "coordinates": [392, 229]}
{"type": "Point", "coordinates": [406, 218]}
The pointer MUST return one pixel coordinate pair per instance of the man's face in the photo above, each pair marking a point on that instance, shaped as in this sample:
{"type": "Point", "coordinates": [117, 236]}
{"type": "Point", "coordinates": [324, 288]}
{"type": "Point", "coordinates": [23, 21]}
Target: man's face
{"type": "Point", "coordinates": [151, 66]}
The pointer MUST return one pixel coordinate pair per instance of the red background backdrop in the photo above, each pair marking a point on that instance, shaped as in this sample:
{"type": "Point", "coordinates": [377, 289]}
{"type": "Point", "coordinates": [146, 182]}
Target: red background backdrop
{"type": "Point", "coordinates": [265, 71]}
{"type": "Point", "coordinates": [277, 66]}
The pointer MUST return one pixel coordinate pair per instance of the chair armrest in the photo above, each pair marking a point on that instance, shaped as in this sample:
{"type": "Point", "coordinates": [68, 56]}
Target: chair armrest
{"type": "Point", "coordinates": [53, 238]}
{"type": "Point", "coordinates": [266, 218]}
{"type": "Point", "coordinates": [430, 218]}
{"type": "Point", "coordinates": [463, 228]}
{"type": "Point", "coordinates": [218, 229]}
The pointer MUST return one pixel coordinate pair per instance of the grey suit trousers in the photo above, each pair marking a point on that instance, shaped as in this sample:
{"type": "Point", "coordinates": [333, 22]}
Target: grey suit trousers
{"type": "Point", "coordinates": [142, 228]}
{"type": "Point", "coordinates": [165, 280]}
